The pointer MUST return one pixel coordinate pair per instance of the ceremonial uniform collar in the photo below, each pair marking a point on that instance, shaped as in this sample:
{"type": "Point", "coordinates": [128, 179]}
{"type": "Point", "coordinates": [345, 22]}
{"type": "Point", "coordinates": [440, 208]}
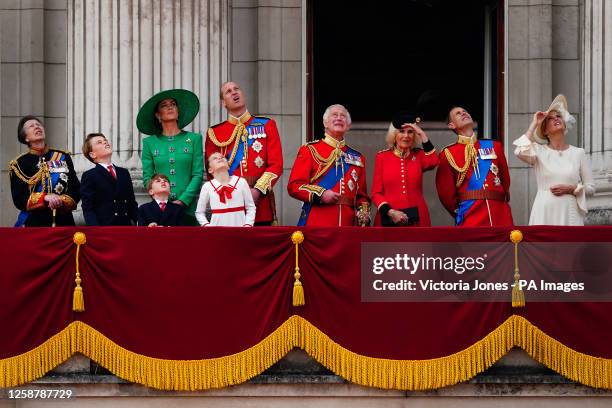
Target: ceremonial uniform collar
{"type": "Point", "coordinates": [244, 118]}
{"type": "Point", "coordinates": [466, 139]}
{"type": "Point", "coordinates": [39, 152]}
{"type": "Point", "coordinates": [399, 153]}
{"type": "Point", "coordinates": [336, 144]}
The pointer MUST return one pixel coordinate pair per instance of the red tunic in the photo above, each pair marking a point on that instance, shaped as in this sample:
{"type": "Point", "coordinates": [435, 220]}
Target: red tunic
{"type": "Point", "coordinates": [398, 181]}
{"type": "Point", "coordinates": [263, 164]}
{"type": "Point", "coordinates": [312, 163]}
{"type": "Point", "coordinates": [449, 193]}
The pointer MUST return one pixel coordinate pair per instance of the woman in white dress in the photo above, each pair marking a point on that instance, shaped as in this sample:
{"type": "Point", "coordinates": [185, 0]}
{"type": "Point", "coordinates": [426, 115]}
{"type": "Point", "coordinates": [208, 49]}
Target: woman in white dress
{"type": "Point", "coordinates": [229, 198]}
{"type": "Point", "coordinates": [563, 174]}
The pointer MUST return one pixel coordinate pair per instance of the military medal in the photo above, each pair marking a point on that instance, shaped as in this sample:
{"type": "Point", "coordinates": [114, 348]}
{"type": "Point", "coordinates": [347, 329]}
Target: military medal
{"type": "Point", "coordinates": [259, 161]}
{"type": "Point", "coordinates": [495, 171]}
{"type": "Point", "coordinates": [257, 146]}
{"type": "Point", "coordinates": [256, 132]}
{"type": "Point", "coordinates": [487, 153]}
{"type": "Point", "coordinates": [354, 175]}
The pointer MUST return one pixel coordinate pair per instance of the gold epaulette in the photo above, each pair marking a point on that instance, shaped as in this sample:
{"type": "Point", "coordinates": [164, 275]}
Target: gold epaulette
{"type": "Point", "coordinates": [384, 150]}
{"type": "Point", "coordinates": [449, 145]}
{"type": "Point", "coordinates": [13, 162]}
{"type": "Point", "coordinates": [312, 142]}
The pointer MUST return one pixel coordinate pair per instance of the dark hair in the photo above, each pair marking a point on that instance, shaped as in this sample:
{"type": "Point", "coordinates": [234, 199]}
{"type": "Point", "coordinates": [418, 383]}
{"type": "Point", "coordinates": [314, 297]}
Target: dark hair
{"type": "Point", "coordinates": [21, 136]}
{"type": "Point", "coordinates": [156, 120]}
{"type": "Point", "coordinates": [87, 145]}
{"type": "Point", "coordinates": [156, 176]}
{"type": "Point", "coordinates": [448, 115]}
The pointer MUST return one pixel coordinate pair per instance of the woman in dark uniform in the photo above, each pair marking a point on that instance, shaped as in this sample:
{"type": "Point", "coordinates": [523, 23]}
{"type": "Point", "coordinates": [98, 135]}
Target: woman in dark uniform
{"type": "Point", "coordinates": [44, 184]}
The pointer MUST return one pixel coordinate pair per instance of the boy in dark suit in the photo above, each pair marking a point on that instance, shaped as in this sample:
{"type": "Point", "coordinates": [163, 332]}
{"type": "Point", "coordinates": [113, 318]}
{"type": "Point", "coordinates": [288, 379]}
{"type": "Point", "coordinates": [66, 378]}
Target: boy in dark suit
{"type": "Point", "coordinates": [107, 194]}
{"type": "Point", "coordinates": [159, 212]}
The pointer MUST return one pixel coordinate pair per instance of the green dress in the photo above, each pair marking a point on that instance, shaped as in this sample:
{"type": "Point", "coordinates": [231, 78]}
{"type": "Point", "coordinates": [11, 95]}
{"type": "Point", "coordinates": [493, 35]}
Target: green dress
{"type": "Point", "coordinates": [180, 158]}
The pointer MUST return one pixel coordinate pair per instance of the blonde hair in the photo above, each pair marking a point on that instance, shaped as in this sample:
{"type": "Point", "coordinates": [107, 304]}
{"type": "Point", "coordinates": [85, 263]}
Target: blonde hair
{"type": "Point", "coordinates": [568, 119]}
{"type": "Point", "coordinates": [392, 134]}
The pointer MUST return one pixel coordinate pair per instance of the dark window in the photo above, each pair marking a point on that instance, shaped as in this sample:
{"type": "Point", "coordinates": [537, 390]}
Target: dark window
{"type": "Point", "coordinates": [377, 58]}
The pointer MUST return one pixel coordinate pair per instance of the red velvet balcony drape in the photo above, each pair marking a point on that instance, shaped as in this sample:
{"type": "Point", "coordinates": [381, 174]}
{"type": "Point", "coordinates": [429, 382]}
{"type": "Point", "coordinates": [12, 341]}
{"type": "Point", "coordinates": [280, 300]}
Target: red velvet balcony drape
{"type": "Point", "coordinates": [193, 308]}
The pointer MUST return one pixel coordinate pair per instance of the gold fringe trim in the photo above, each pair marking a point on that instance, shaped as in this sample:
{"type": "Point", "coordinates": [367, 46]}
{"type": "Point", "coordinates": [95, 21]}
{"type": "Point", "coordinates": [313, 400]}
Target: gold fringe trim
{"type": "Point", "coordinates": [407, 374]}
{"type": "Point", "coordinates": [178, 375]}
{"type": "Point", "coordinates": [588, 370]}
{"type": "Point", "coordinates": [189, 375]}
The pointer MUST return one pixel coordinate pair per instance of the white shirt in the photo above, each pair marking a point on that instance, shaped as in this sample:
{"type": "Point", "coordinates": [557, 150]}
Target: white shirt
{"type": "Point", "coordinates": [241, 197]}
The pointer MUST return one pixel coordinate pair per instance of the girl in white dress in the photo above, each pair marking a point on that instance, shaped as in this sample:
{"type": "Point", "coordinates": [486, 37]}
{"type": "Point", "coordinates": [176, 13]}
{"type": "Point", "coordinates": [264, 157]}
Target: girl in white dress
{"type": "Point", "coordinates": [563, 175]}
{"type": "Point", "coordinates": [229, 198]}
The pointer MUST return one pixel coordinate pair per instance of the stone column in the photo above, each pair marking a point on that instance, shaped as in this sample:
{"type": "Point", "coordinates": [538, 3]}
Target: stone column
{"type": "Point", "coordinates": [33, 76]}
{"type": "Point", "coordinates": [122, 52]}
{"type": "Point", "coordinates": [267, 62]}
{"type": "Point", "coordinates": [529, 73]}
{"type": "Point", "coordinates": [597, 104]}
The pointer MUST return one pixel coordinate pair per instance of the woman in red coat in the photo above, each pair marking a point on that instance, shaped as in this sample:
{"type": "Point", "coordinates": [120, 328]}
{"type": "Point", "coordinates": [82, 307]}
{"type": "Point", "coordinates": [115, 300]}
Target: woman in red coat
{"type": "Point", "coordinates": [397, 189]}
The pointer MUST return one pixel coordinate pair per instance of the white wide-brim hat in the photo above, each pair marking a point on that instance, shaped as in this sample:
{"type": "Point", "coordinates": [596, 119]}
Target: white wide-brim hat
{"type": "Point", "coordinates": [559, 104]}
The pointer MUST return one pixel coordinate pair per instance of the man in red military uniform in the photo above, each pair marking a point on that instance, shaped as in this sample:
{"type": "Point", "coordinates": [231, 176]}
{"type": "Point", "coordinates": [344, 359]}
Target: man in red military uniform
{"type": "Point", "coordinates": [330, 177]}
{"type": "Point", "coordinates": [473, 181]}
{"type": "Point", "coordinates": [252, 147]}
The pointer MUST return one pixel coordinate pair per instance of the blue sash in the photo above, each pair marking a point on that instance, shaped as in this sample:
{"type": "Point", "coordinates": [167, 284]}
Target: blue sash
{"type": "Point", "coordinates": [255, 123]}
{"type": "Point", "coordinates": [475, 183]}
{"type": "Point", "coordinates": [329, 180]}
{"type": "Point", "coordinates": [23, 215]}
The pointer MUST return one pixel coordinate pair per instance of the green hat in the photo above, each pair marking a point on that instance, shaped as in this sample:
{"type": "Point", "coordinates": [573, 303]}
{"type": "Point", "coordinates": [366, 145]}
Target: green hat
{"type": "Point", "coordinates": [188, 107]}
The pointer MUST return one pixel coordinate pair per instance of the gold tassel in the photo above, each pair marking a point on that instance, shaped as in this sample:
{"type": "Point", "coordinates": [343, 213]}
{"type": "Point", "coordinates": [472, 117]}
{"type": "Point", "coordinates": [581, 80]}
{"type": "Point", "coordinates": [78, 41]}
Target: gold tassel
{"type": "Point", "coordinates": [518, 296]}
{"type": "Point", "coordinates": [78, 301]}
{"type": "Point", "coordinates": [298, 289]}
